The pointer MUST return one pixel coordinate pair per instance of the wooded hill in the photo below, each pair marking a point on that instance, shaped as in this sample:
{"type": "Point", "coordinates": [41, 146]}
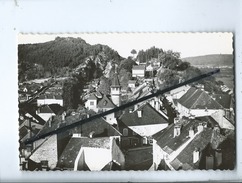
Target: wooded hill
{"type": "Point", "coordinates": [60, 56]}
{"type": "Point", "coordinates": [216, 60]}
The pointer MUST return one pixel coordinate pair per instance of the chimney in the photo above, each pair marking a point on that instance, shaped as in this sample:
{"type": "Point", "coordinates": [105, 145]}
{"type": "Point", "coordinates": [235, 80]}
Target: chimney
{"type": "Point", "coordinates": [136, 106]}
{"type": "Point", "coordinates": [139, 113]}
{"type": "Point", "coordinates": [215, 139]}
{"type": "Point", "coordinates": [157, 105]}
{"type": "Point", "coordinates": [130, 110]}
{"type": "Point", "coordinates": [50, 121]}
{"type": "Point", "coordinates": [200, 127]}
{"type": "Point", "coordinates": [91, 134]}
{"type": "Point", "coordinates": [33, 127]}
{"type": "Point", "coordinates": [218, 157]}
{"type": "Point", "coordinates": [28, 123]}
{"type": "Point", "coordinates": [191, 132]}
{"type": "Point", "coordinates": [177, 130]}
{"type": "Point", "coordinates": [196, 155]}
{"type": "Point", "coordinates": [63, 116]}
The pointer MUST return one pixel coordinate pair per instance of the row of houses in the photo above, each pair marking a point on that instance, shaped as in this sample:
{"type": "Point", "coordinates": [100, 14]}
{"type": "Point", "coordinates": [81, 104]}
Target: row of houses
{"type": "Point", "coordinates": [195, 140]}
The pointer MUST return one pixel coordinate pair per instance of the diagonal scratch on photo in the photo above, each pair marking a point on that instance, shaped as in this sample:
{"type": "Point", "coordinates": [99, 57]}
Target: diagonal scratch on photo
{"type": "Point", "coordinates": [67, 78]}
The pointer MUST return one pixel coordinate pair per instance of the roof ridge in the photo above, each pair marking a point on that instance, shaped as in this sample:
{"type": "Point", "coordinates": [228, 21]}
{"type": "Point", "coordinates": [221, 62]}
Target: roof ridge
{"type": "Point", "coordinates": [197, 97]}
{"type": "Point", "coordinates": [191, 95]}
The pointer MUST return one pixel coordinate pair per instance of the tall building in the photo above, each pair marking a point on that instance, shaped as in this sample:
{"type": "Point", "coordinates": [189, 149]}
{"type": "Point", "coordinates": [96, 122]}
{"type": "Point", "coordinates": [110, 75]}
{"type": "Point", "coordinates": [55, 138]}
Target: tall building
{"type": "Point", "coordinates": [116, 91]}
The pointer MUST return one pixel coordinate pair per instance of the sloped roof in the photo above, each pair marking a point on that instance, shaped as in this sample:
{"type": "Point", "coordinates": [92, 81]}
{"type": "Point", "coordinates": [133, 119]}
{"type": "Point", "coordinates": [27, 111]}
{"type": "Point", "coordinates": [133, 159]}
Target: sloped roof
{"type": "Point", "coordinates": [223, 99]}
{"type": "Point", "coordinates": [45, 109]}
{"type": "Point", "coordinates": [98, 125]}
{"type": "Point", "coordinates": [138, 67]}
{"type": "Point", "coordinates": [105, 102]}
{"type": "Point", "coordinates": [166, 140]}
{"type": "Point", "coordinates": [132, 81]}
{"type": "Point", "coordinates": [112, 166]}
{"type": "Point", "coordinates": [92, 97]}
{"type": "Point", "coordinates": [56, 108]}
{"type": "Point", "coordinates": [186, 156]}
{"type": "Point", "coordinates": [50, 96]}
{"type": "Point", "coordinates": [198, 99]}
{"type": "Point", "coordinates": [115, 81]}
{"type": "Point", "coordinates": [69, 155]}
{"type": "Point", "coordinates": [98, 94]}
{"type": "Point", "coordinates": [149, 116]}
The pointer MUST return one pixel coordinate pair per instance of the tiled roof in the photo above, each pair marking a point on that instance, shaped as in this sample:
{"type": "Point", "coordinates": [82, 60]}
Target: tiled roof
{"type": "Point", "coordinates": [166, 140]}
{"type": "Point", "coordinates": [149, 116]}
{"type": "Point", "coordinates": [198, 99]}
{"type": "Point", "coordinates": [105, 102]}
{"type": "Point", "coordinates": [139, 67]}
{"type": "Point", "coordinates": [98, 125]}
{"type": "Point", "coordinates": [115, 81]}
{"type": "Point", "coordinates": [223, 99]}
{"type": "Point", "coordinates": [186, 156]}
{"type": "Point", "coordinates": [68, 157]}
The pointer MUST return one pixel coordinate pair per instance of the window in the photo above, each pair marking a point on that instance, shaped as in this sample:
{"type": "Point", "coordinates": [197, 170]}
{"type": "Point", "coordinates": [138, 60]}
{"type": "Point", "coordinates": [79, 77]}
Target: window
{"type": "Point", "coordinates": [91, 103]}
{"type": "Point", "coordinates": [125, 132]}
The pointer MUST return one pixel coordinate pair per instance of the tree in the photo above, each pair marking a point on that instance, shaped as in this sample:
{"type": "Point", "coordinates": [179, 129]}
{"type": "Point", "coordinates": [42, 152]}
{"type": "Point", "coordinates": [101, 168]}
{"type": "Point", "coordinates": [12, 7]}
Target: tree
{"type": "Point", "coordinates": [168, 77]}
{"type": "Point", "coordinates": [71, 93]}
{"type": "Point", "coordinates": [104, 86]}
{"type": "Point", "coordinates": [127, 64]}
{"type": "Point", "coordinates": [124, 77]}
{"type": "Point", "coordinates": [133, 52]}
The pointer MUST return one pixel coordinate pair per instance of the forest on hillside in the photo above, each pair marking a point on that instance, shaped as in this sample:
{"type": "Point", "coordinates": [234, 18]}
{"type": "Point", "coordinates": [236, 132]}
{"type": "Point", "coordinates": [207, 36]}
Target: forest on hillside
{"type": "Point", "coordinates": [82, 62]}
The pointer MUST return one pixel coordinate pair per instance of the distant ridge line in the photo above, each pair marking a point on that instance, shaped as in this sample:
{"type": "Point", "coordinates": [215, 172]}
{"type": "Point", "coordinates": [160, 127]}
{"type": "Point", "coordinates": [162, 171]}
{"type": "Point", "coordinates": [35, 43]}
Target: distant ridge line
{"type": "Point", "coordinates": [213, 60]}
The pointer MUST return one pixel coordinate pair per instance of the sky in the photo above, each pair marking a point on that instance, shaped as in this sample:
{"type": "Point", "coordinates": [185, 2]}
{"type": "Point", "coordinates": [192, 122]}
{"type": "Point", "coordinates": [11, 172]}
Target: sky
{"type": "Point", "coordinates": [188, 44]}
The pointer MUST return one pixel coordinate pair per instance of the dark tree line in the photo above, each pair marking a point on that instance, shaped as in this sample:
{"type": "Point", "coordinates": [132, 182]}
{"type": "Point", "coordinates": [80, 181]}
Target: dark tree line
{"type": "Point", "coordinates": [55, 56]}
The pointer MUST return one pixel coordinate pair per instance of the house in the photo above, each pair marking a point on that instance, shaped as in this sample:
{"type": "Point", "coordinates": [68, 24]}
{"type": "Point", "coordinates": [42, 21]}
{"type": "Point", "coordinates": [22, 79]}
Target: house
{"type": "Point", "coordinates": [100, 103]}
{"type": "Point", "coordinates": [47, 151]}
{"type": "Point", "coordinates": [129, 138]}
{"type": "Point", "coordinates": [138, 71]}
{"type": "Point", "coordinates": [132, 84]}
{"type": "Point", "coordinates": [226, 101]}
{"type": "Point", "coordinates": [179, 92]}
{"type": "Point", "coordinates": [95, 154]}
{"type": "Point", "coordinates": [145, 121]}
{"type": "Point", "coordinates": [46, 99]}
{"type": "Point", "coordinates": [51, 147]}
{"type": "Point", "coordinates": [182, 144]}
{"type": "Point", "coordinates": [196, 102]}
{"type": "Point", "coordinates": [47, 111]}
{"type": "Point", "coordinates": [150, 70]}
{"type": "Point", "coordinates": [98, 127]}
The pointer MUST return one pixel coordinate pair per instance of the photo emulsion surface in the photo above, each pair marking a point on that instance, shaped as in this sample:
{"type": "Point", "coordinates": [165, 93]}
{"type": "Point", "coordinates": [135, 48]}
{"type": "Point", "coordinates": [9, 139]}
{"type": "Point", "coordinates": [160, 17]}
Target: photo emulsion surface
{"type": "Point", "coordinates": [126, 101]}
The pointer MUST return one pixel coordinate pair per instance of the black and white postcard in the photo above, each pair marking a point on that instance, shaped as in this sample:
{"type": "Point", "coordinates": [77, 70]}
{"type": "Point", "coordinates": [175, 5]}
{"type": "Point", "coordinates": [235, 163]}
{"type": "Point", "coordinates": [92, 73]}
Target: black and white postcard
{"type": "Point", "coordinates": [76, 90]}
